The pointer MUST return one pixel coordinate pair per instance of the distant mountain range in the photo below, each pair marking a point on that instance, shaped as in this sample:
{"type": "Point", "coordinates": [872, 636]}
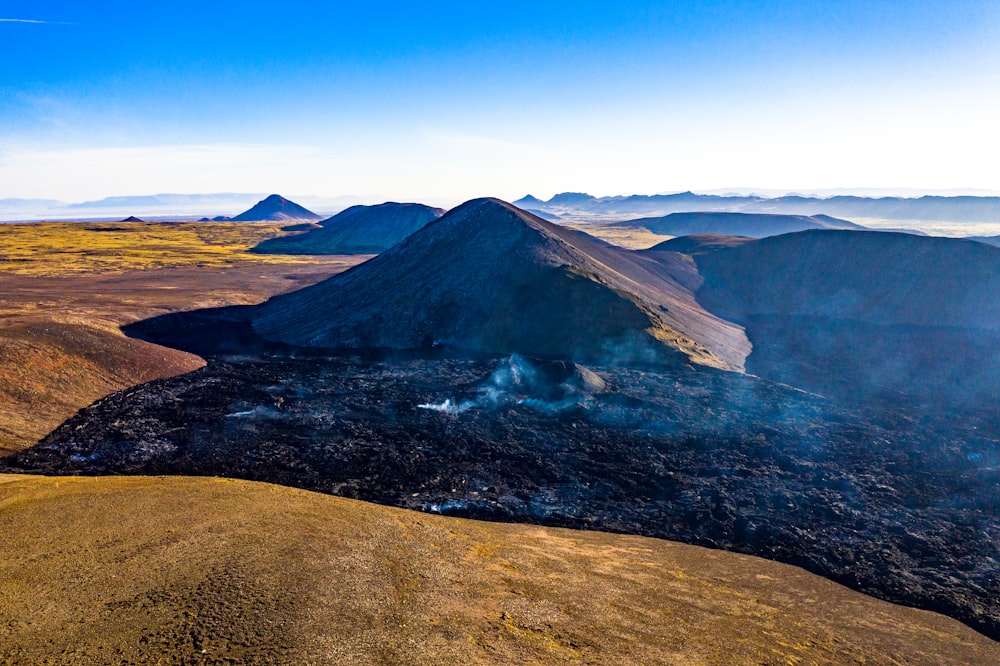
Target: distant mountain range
{"type": "Point", "coordinates": [155, 206]}
{"type": "Point", "coordinates": [926, 208]}
{"type": "Point", "coordinates": [16, 203]}
{"type": "Point", "coordinates": [931, 210]}
{"type": "Point", "coordinates": [752, 225]}
{"type": "Point", "coordinates": [161, 200]}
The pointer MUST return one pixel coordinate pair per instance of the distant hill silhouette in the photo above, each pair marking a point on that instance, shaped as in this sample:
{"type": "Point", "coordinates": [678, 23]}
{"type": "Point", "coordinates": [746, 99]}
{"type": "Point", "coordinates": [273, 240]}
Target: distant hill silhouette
{"type": "Point", "coordinates": [989, 240]}
{"type": "Point", "coordinates": [698, 243]}
{"type": "Point", "coordinates": [276, 208]}
{"type": "Point", "coordinates": [752, 225]}
{"type": "Point", "coordinates": [132, 218]}
{"type": "Point", "coordinates": [528, 202]}
{"type": "Point", "coordinates": [356, 230]}
{"type": "Point", "coordinates": [488, 276]}
{"type": "Point", "coordinates": [572, 199]}
{"type": "Point", "coordinates": [542, 214]}
{"type": "Point", "coordinates": [926, 208]}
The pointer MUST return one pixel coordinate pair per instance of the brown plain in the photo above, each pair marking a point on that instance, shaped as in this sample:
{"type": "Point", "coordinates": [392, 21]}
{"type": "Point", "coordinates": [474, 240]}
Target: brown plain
{"type": "Point", "coordinates": [65, 288]}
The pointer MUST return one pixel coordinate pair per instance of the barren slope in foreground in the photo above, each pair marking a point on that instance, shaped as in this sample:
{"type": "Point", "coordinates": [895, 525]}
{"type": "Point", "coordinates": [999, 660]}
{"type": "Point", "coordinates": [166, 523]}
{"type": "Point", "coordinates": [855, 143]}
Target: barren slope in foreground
{"type": "Point", "coordinates": [187, 570]}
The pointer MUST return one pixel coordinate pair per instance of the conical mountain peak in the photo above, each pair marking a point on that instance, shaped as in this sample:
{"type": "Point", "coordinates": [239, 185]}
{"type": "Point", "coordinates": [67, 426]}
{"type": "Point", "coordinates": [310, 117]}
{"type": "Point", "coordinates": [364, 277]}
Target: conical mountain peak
{"type": "Point", "coordinates": [276, 208]}
{"type": "Point", "coordinates": [490, 277]}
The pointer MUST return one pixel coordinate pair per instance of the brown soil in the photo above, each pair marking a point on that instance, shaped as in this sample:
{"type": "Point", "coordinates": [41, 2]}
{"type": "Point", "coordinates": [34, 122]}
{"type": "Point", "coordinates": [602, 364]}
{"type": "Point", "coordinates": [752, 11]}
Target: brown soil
{"type": "Point", "coordinates": [50, 368]}
{"type": "Point", "coordinates": [67, 289]}
{"type": "Point", "coordinates": [184, 570]}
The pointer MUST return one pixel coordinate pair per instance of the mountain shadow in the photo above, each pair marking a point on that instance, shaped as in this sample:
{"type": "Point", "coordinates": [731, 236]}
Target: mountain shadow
{"type": "Point", "coordinates": [862, 315]}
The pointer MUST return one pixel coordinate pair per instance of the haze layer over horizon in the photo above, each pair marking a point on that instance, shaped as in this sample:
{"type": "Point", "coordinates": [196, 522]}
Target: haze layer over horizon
{"type": "Point", "coordinates": [449, 101]}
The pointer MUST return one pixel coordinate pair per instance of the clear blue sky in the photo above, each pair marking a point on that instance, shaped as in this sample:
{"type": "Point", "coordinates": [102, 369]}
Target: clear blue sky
{"type": "Point", "coordinates": [445, 101]}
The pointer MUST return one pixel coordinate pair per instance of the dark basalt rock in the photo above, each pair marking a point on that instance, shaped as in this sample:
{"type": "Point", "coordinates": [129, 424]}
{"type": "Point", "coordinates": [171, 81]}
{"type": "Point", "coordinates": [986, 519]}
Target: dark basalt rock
{"type": "Point", "coordinates": [898, 504]}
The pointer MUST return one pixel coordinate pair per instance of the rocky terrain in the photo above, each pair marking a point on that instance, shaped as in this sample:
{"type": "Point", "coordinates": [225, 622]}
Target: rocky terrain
{"type": "Point", "coordinates": [444, 375]}
{"type": "Point", "coordinates": [752, 225]}
{"type": "Point", "coordinates": [900, 505]}
{"type": "Point", "coordinates": [356, 230]}
{"type": "Point", "coordinates": [276, 208]}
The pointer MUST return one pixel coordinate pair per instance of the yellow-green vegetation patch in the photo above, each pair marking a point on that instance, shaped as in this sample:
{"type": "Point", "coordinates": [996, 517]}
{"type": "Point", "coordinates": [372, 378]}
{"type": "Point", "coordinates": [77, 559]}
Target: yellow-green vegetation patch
{"type": "Point", "coordinates": [632, 238]}
{"type": "Point", "coordinates": [60, 248]}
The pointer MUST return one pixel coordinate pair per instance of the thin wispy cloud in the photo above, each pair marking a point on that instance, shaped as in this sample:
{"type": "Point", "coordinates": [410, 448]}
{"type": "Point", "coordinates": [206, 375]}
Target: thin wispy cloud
{"type": "Point", "coordinates": [35, 21]}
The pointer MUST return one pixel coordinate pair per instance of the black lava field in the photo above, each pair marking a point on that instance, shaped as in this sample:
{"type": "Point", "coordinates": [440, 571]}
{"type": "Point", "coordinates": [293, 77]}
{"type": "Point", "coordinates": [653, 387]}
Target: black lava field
{"type": "Point", "coordinates": [900, 504]}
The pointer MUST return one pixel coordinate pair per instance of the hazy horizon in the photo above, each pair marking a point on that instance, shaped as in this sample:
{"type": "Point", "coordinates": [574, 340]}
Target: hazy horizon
{"type": "Point", "coordinates": [195, 205]}
{"type": "Point", "coordinates": [448, 102]}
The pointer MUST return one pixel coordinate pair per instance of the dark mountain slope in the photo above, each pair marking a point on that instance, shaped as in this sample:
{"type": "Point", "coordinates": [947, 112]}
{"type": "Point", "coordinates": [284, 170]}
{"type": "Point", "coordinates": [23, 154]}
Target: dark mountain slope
{"type": "Point", "coordinates": [865, 314]}
{"type": "Point", "coordinates": [698, 243]}
{"type": "Point", "coordinates": [357, 230]}
{"type": "Point", "coordinates": [490, 277]}
{"type": "Point", "coordinates": [989, 240]}
{"type": "Point", "coordinates": [276, 208]}
{"type": "Point", "coordinates": [882, 278]}
{"type": "Point", "coordinates": [384, 213]}
{"type": "Point", "coordinates": [753, 225]}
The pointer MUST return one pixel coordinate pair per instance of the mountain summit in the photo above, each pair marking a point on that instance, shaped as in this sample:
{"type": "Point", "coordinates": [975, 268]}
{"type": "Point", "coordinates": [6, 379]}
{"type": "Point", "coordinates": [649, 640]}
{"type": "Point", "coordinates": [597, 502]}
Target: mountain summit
{"type": "Point", "coordinates": [276, 208]}
{"type": "Point", "coordinates": [490, 277]}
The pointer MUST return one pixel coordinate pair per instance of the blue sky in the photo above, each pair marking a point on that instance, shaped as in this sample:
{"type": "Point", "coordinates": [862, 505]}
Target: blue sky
{"type": "Point", "coordinates": [444, 101]}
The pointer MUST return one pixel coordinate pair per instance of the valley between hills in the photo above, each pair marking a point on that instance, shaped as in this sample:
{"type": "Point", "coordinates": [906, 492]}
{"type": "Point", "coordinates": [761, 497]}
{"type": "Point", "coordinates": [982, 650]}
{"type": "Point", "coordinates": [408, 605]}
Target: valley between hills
{"type": "Point", "coordinates": [824, 398]}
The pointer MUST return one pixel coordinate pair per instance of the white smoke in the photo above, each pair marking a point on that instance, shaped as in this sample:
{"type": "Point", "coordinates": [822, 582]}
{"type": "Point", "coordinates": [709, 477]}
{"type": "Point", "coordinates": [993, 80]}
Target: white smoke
{"type": "Point", "coordinates": [515, 381]}
{"type": "Point", "coordinates": [448, 407]}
